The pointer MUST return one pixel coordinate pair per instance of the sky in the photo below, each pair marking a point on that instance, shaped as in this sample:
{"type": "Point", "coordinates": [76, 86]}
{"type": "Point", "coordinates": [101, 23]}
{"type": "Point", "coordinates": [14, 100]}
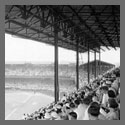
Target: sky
{"type": "Point", "coordinates": [23, 50]}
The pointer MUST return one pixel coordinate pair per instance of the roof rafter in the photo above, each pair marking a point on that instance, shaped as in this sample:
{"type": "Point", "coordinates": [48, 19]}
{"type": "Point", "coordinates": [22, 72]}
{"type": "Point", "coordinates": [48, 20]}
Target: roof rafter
{"type": "Point", "coordinates": [82, 21]}
{"type": "Point", "coordinates": [116, 29]}
{"type": "Point", "coordinates": [97, 26]}
{"type": "Point", "coordinates": [50, 7]}
{"type": "Point", "coordinates": [107, 37]}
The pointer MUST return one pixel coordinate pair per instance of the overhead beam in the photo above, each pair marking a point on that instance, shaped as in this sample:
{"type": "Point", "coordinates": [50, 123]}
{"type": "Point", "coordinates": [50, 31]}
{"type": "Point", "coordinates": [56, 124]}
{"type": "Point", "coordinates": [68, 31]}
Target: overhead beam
{"type": "Point", "coordinates": [116, 29]}
{"type": "Point", "coordinates": [83, 22]}
{"type": "Point", "coordinates": [106, 35]}
{"type": "Point", "coordinates": [62, 17]}
{"type": "Point", "coordinates": [37, 30]}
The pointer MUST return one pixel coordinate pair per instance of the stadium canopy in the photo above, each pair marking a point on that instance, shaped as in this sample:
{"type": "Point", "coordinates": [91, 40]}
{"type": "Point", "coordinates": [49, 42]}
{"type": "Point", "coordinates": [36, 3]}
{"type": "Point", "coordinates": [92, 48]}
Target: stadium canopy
{"type": "Point", "coordinates": [98, 25]}
{"type": "Point", "coordinates": [96, 66]}
{"type": "Point", "coordinates": [80, 28]}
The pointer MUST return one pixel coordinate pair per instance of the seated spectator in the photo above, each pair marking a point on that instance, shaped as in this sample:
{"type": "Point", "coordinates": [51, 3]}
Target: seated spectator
{"type": "Point", "coordinates": [64, 117]}
{"type": "Point", "coordinates": [104, 91]}
{"type": "Point", "coordinates": [82, 108]}
{"type": "Point", "coordinates": [97, 105]}
{"type": "Point", "coordinates": [63, 99]}
{"type": "Point", "coordinates": [95, 98]}
{"type": "Point", "coordinates": [54, 116]}
{"type": "Point", "coordinates": [118, 97]}
{"type": "Point", "coordinates": [47, 116]}
{"type": "Point", "coordinates": [108, 83]}
{"type": "Point", "coordinates": [87, 90]}
{"type": "Point", "coordinates": [72, 116]}
{"type": "Point", "coordinates": [78, 105]}
{"type": "Point", "coordinates": [113, 113]}
{"type": "Point", "coordinates": [111, 93]}
{"type": "Point", "coordinates": [72, 106]}
{"type": "Point", "coordinates": [93, 111]}
{"type": "Point", "coordinates": [115, 85]}
{"type": "Point", "coordinates": [77, 102]}
{"type": "Point", "coordinates": [67, 109]}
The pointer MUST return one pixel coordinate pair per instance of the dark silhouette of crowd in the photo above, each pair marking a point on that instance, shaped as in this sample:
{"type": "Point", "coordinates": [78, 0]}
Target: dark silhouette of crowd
{"type": "Point", "coordinates": [99, 100]}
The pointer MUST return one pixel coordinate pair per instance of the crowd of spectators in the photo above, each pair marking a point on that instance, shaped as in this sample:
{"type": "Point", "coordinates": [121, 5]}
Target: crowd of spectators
{"type": "Point", "coordinates": [99, 100]}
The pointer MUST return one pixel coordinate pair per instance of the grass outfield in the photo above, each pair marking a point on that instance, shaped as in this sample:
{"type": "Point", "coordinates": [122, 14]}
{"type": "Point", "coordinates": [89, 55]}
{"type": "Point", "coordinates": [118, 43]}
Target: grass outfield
{"type": "Point", "coordinates": [19, 102]}
{"type": "Point", "coordinates": [20, 97]}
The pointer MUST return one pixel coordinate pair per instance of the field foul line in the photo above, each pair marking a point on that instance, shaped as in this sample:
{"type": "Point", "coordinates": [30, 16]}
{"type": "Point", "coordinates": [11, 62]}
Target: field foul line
{"type": "Point", "coordinates": [16, 108]}
{"type": "Point", "coordinates": [10, 114]}
{"type": "Point", "coordinates": [27, 99]}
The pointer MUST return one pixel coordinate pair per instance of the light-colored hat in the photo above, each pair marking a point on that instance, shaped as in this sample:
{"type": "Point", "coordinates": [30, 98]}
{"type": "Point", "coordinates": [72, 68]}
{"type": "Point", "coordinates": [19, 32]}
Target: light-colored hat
{"type": "Point", "coordinates": [103, 78]}
{"type": "Point", "coordinates": [58, 106]}
{"type": "Point", "coordinates": [54, 114]}
{"type": "Point", "coordinates": [115, 85]}
{"type": "Point", "coordinates": [67, 105]}
{"type": "Point", "coordinates": [48, 110]}
{"type": "Point", "coordinates": [47, 115]}
{"type": "Point", "coordinates": [113, 75]}
{"type": "Point", "coordinates": [108, 82]}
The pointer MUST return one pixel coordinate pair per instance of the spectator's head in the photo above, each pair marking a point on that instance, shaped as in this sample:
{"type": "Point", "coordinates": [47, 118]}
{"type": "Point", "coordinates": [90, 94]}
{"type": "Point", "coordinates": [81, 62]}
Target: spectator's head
{"type": "Point", "coordinates": [58, 106]}
{"type": "Point", "coordinates": [58, 111]}
{"type": "Point", "coordinates": [72, 116]}
{"type": "Point", "coordinates": [104, 89]}
{"type": "Point", "coordinates": [86, 101]}
{"type": "Point", "coordinates": [54, 115]}
{"type": "Point", "coordinates": [61, 104]}
{"type": "Point", "coordinates": [111, 94]}
{"type": "Point", "coordinates": [64, 117]}
{"type": "Point", "coordinates": [113, 104]}
{"type": "Point", "coordinates": [47, 115]}
{"type": "Point", "coordinates": [95, 104]}
{"type": "Point", "coordinates": [95, 98]}
{"type": "Point", "coordinates": [67, 108]}
{"type": "Point", "coordinates": [81, 97]}
{"type": "Point", "coordinates": [77, 102]}
{"type": "Point", "coordinates": [87, 89]}
{"type": "Point", "coordinates": [108, 83]}
{"type": "Point", "coordinates": [82, 93]}
{"type": "Point", "coordinates": [94, 111]}
{"type": "Point", "coordinates": [72, 105]}
{"type": "Point", "coordinates": [98, 83]}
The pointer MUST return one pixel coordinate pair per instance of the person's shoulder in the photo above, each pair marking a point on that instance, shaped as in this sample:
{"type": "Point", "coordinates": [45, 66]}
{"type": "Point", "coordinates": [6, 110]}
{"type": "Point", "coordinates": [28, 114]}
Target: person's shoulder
{"type": "Point", "coordinates": [111, 116]}
{"type": "Point", "coordinates": [101, 117]}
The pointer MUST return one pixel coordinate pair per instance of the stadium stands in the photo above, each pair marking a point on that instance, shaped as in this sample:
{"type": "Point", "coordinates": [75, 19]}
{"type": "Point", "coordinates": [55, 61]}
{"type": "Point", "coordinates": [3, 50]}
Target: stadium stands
{"type": "Point", "coordinates": [99, 100]}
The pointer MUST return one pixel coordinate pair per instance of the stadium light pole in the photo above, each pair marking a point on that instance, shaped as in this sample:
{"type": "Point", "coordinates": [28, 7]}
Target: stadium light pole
{"type": "Point", "coordinates": [56, 81]}
{"type": "Point", "coordinates": [77, 66]}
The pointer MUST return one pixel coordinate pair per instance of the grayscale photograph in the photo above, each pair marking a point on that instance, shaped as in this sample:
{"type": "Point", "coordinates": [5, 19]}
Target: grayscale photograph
{"type": "Point", "coordinates": [62, 62]}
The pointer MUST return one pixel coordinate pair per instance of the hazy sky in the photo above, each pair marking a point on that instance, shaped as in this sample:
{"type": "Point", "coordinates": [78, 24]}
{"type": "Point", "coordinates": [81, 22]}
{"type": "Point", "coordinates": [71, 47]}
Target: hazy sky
{"type": "Point", "coordinates": [23, 50]}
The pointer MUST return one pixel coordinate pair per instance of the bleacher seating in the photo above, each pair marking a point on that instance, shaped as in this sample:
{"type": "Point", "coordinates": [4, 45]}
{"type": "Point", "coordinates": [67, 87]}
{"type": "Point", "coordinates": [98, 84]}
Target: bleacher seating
{"type": "Point", "coordinates": [99, 100]}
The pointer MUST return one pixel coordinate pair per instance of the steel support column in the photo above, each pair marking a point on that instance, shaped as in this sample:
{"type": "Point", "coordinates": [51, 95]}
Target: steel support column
{"type": "Point", "coordinates": [88, 65]}
{"type": "Point", "coordinates": [56, 82]}
{"type": "Point", "coordinates": [77, 66]}
{"type": "Point", "coordinates": [95, 64]}
{"type": "Point", "coordinates": [99, 62]}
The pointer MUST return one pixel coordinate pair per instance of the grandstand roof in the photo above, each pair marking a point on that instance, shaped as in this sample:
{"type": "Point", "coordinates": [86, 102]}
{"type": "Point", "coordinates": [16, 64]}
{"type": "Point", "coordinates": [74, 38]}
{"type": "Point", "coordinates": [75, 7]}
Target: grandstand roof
{"type": "Point", "coordinates": [97, 61]}
{"type": "Point", "coordinates": [98, 25]}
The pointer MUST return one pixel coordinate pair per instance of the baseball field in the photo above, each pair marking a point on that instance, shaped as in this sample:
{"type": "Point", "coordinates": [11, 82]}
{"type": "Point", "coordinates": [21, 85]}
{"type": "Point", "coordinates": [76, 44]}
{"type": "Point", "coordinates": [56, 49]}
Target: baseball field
{"type": "Point", "coordinates": [19, 102]}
